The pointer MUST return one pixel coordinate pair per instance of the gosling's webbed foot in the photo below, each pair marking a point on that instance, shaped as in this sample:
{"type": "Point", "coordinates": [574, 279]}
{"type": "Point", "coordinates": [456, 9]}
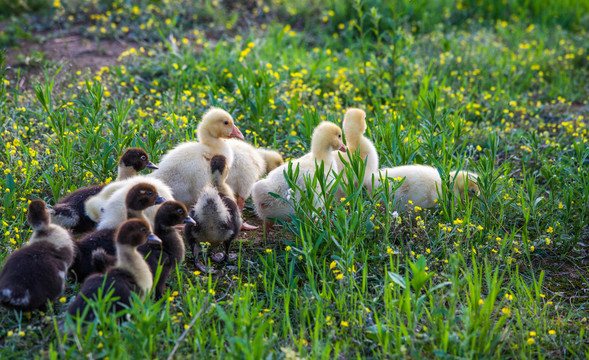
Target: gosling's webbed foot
{"type": "Point", "coordinates": [221, 257]}
{"type": "Point", "coordinates": [218, 257]}
{"type": "Point", "coordinates": [247, 227]}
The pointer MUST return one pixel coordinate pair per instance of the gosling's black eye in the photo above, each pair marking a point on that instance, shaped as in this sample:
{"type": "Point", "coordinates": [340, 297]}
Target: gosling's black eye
{"type": "Point", "coordinates": [226, 123]}
{"type": "Point", "coordinates": [150, 193]}
{"type": "Point", "coordinates": [180, 211]}
{"type": "Point", "coordinates": [143, 157]}
{"type": "Point", "coordinates": [143, 229]}
{"type": "Point", "coordinates": [339, 136]}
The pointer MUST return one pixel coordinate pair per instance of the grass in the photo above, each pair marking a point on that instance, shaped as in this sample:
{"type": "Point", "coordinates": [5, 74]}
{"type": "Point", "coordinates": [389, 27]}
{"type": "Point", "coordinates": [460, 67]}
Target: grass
{"type": "Point", "coordinates": [502, 93]}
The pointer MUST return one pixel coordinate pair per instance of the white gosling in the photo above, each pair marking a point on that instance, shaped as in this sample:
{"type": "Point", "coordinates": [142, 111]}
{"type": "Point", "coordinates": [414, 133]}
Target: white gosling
{"type": "Point", "coordinates": [354, 126]}
{"type": "Point", "coordinates": [326, 138]}
{"type": "Point", "coordinates": [422, 185]}
{"type": "Point", "coordinates": [186, 168]}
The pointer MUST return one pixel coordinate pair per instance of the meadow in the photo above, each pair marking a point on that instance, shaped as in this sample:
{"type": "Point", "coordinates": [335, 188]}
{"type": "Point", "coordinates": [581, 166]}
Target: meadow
{"type": "Point", "coordinates": [499, 88]}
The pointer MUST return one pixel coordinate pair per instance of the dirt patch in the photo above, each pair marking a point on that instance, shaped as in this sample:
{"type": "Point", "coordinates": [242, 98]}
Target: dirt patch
{"type": "Point", "coordinates": [256, 240]}
{"type": "Point", "coordinates": [252, 243]}
{"type": "Point", "coordinates": [566, 278]}
{"type": "Point", "coordinates": [72, 51]}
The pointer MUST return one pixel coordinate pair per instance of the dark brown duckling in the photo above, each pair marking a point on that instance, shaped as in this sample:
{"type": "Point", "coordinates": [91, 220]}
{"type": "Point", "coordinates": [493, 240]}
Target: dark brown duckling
{"type": "Point", "coordinates": [139, 198]}
{"type": "Point", "coordinates": [130, 273]}
{"type": "Point", "coordinates": [171, 251]}
{"type": "Point", "coordinates": [36, 272]}
{"type": "Point", "coordinates": [133, 160]}
{"type": "Point", "coordinates": [217, 216]}
{"type": "Point", "coordinates": [69, 211]}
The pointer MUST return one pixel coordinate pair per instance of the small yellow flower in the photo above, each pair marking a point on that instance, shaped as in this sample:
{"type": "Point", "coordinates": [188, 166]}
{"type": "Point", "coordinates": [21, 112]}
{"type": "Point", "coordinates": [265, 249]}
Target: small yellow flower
{"type": "Point", "coordinates": [345, 324]}
{"type": "Point", "coordinates": [21, 333]}
{"type": "Point", "coordinates": [340, 276]}
{"type": "Point", "coordinates": [212, 292]}
{"type": "Point", "coordinates": [269, 251]}
{"type": "Point", "coordinates": [506, 311]}
{"type": "Point", "coordinates": [551, 332]}
{"type": "Point", "coordinates": [288, 248]}
{"type": "Point", "coordinates": [532, 333]}
{"type": "Point", "coordinates": [530, 341]}
{"type": "Point", "coordinates": [332, 265]}
{"type": "Point", "coordinates": [10, 333]}
{"type": "Point", "coordinates": [481, 302]}
{"type": "Point", "coordinates": [560, 205]}
{"type": "Point", "coordinates": [479, 148]}
{"type": "Point", "coordinates": [62, 299]}
{"type": "Point", "coordinates": [196, 273]}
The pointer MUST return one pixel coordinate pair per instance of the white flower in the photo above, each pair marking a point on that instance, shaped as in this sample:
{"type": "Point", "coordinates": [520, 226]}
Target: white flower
{"type": "Point", "coordinates": [395, 214]}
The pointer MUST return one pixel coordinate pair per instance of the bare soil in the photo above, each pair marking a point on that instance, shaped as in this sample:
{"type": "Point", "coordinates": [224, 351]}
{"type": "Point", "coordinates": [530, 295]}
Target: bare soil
{"type": "Point", "coordinates": [72, 51]}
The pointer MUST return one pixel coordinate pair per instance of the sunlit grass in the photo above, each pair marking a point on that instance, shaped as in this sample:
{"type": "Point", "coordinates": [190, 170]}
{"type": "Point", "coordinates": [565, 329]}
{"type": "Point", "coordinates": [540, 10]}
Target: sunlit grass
{"type": "Point", "coordinates": [501, 93]}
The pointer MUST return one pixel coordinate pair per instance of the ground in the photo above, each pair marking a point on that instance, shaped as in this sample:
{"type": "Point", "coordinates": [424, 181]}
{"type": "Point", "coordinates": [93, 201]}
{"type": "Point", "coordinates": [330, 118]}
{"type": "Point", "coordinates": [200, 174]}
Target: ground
{"type": "Point", "coordinates": [497, 89]}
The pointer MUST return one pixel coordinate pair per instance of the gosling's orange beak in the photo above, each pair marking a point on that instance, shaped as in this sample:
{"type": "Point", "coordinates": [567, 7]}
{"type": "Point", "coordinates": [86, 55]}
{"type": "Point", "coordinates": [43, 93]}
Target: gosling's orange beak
{"type": "Point", "coordinates": [343, 148]}
{"type": "Point", "coordinates": [236, 133]}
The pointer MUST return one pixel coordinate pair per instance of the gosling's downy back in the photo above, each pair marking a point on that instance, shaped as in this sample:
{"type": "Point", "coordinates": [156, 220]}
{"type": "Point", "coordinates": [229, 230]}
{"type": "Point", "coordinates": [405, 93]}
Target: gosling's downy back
{"type": "Point", "coordinates": [272, 158]}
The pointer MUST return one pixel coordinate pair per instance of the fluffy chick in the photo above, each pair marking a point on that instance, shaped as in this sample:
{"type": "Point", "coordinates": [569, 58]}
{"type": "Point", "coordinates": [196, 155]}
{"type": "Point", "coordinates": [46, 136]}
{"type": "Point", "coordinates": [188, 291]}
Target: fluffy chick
{"type": "Point", "coordinates": [326, 138]}
{"type": "Point", "coordinates": [130, 273]}
{"type": "Point", "coordinates": [354, 126]}
{"type": "Point", "coordinates": [216, 214]}
{"type": "Point", "coordinates": [69, 211]}
{"type": "Point", "coordinates": [36, 273]}
{"type": "Point", "coordinates": [422, 184]}
{"type": "Point", "coordinates": [171, 251]}
{"type": "Point", "coordinates": [186, 167]}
